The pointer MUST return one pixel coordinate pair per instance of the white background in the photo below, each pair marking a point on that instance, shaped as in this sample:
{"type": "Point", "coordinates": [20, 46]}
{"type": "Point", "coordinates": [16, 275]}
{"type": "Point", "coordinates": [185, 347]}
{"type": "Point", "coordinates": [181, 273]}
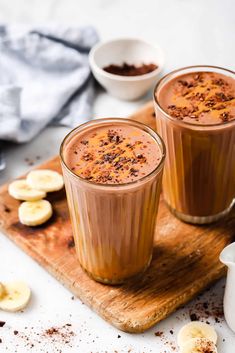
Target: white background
{"type": "Point", "coordinates": [190, 32]}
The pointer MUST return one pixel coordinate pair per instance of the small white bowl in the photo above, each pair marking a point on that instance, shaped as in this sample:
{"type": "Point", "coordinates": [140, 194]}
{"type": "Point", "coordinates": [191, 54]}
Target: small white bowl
{"type": "Point", "coordinates": [131, 51]}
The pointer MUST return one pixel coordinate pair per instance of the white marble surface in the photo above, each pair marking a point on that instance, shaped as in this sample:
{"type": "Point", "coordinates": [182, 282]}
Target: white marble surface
{"type": "Point", "coordinates": [190, 32]}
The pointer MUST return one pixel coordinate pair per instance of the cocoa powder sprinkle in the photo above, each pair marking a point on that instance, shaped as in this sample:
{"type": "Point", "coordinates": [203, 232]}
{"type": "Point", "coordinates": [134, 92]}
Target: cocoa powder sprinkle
{"type": "Point", "coordinates": [113, 156]}
{"type": "Point", "coordinates": [195, 93]}
{"type": "Point", "coordinates": [130, 69]}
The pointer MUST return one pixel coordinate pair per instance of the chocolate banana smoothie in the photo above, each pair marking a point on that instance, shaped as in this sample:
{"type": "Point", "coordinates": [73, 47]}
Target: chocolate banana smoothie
{"type": "Point", "coordinates": [113, 170]}
{"type": "Point", "coordinates": [195, 114]}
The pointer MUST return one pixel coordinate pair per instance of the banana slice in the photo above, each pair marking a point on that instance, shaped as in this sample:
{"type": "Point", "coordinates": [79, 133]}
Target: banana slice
{"type": "Point", "coordinates": [196, 329]}
{"type": "Point", "coordinates": [20, 190]}
{"type": "Point", "coordinates": [2, 290]}
{"type": "Point", "coordinates": [34, 213]}
{"type": "Point", "coordinates": [16, 296]}
{"type": "Point", "coordinates": [45, 180]}
{"type": "Point", "coordinates": [198, 345]}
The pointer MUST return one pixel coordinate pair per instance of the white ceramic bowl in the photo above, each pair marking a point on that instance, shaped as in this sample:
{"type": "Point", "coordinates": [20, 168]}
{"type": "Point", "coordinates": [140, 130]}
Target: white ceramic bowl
{"type": "Point", "coordinates": [131, 51]}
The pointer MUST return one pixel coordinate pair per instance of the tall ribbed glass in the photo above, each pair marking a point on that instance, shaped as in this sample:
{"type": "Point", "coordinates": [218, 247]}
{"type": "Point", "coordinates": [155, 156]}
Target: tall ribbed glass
{"type": "Point", "coordinates": [199, 172]}
{"type": "Point", "coordinates": [113, 225]}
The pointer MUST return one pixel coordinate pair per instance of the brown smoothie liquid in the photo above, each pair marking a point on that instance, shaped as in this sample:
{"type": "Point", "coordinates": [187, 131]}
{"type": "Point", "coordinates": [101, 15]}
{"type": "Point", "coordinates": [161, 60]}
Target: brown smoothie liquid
{"type": "Point", "coordinates": [198, 180]}
{"type": "Point", "coordinates": [113, 154]}
{"type": "Point", "coordinates": [113, 207]}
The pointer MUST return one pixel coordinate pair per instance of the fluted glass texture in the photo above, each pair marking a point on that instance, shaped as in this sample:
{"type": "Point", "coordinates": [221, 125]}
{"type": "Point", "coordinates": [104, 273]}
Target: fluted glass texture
{"type": "Point", "coordinates": [113, 225]}
{"type": "Point", "coordinates": [199, 172]}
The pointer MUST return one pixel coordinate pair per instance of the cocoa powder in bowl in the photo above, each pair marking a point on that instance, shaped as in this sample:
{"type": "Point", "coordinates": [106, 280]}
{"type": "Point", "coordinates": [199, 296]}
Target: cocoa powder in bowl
{"type": "Point", "coordinates": [130, 69]}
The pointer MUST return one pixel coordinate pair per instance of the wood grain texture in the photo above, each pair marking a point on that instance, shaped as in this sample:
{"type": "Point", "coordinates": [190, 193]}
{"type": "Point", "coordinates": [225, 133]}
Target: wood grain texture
{"type": "Point", "coordinates": [185, 259]}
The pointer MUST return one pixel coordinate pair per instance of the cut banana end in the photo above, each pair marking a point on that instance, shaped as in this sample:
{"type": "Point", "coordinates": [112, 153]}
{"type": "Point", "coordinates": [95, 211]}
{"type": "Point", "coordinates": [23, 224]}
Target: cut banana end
{"type": "Point", "coordinates": [45, 180]}
{"type": "Point", "coordinates": [198, 345]}
{"type": "Point", "coordinates": [16, 296]}
{"type": "Point", "coordinates": [196, 329]}
{"type": "Point", "coordinates": [20, 190]}
{"type": "Point", "coordinates": [34, 213]}
{"type": "Point", "coordinates": [2, 290]}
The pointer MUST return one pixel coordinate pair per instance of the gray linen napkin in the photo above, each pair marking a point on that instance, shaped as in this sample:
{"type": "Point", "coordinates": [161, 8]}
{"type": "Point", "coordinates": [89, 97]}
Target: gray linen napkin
{"type": "Point", "coordinates": [44, 78]}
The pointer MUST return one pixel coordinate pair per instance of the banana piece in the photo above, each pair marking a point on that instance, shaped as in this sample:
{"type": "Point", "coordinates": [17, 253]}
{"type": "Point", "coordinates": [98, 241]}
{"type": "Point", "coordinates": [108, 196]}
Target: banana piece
{"type": "Point", "coordinates": [34, 213]}
{"type": "Point", "coordinates": [45, 180]}
{"type": "Point", "coordinates": [20, 190]}
{"type": "Point", "coordinates": [196, 329]}
{"type": "Point", "coordinates": [2, 290]}
{"type": "Point", "coordinates": [16, 296]}
{"type": "Point", "coordinates": [198, 345]}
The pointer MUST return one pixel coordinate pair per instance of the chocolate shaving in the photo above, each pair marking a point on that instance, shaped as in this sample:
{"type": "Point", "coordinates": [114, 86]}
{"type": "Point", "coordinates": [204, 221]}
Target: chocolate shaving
{"type": "Point", "coordinates": [114, 137]}
{"type": "Point", "coordinates": [134, 172]}
{"type": "Point", "coordinates": [225, 116]}
{"type": "Point", "coordinates": [87, 157]}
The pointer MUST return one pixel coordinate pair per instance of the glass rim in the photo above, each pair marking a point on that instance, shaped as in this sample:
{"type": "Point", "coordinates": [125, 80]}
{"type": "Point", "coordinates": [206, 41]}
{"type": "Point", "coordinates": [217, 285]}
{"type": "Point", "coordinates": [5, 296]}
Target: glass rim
{"type": "Point", "coordinates": [187, 123]}
{"type": "Point", "coordinates": [142, 126]}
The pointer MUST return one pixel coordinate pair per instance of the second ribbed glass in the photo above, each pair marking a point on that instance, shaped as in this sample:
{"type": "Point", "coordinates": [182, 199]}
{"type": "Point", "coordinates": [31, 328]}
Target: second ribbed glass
{"type": "Point", "coordinates": [113, 225]}
{"type": "Point", "coordinates": [199, 172]}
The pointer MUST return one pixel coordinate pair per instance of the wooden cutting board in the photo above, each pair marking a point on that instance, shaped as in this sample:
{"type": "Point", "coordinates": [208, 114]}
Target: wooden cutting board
{"type": "Point", "coordinates": [185, 258]}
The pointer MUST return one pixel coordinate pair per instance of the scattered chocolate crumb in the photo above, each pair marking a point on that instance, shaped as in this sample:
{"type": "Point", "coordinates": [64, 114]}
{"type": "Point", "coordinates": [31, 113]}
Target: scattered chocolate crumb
{"type": "Point", "coordinates": [118, 336]}
{"type": "Point", "coordinates": [166, 341]}
{"type": "Point", "coordinates": [16, 332]}
{"type": "Point", "coordinates": [2, 323]}
{"type": "Point", "coordinates": [0, 340]}
{"type": "Point", "coordinates": [31, 161]}
{"type": "Point", "coordinates": [210, 309]}
{"type": "Point", "coordinates": [193, 317]}
{"type": "Point", "coordinates": [171, 332]}
{"type": "Point", "coordinates": [205, 346]}
{"type": "Point", "coordinates": [72, 297]}
{"type": "Point", "coordinates": [62, 335]}
{"type": "Point", "coordinates": [158, 333]}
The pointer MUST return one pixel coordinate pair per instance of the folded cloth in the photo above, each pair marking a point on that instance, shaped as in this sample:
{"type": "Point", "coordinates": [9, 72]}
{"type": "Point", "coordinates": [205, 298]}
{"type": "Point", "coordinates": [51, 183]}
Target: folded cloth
{"type": "Point", "coordinates": [44, 78]}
